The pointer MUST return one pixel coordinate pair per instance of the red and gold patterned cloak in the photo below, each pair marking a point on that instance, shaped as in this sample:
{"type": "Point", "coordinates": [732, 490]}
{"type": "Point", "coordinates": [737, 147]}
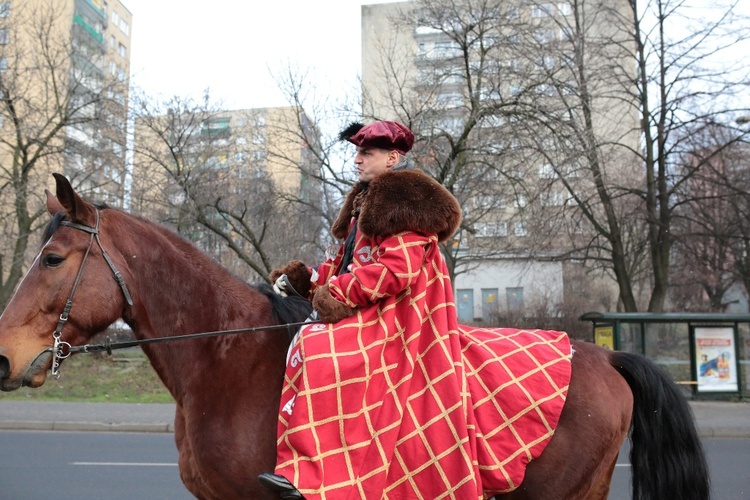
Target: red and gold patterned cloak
{"type": "Point", "coordinates": [399, 401]}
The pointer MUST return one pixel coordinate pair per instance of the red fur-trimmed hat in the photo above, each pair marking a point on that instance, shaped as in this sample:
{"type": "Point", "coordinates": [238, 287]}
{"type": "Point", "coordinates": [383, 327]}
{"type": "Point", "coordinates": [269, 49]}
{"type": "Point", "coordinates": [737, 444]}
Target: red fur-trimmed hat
{"type": "Point", "coordinates": [383, 134]}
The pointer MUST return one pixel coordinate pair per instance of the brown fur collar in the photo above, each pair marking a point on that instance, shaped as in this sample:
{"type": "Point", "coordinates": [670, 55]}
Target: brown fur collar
{"type": "Point", "coordinates": [399, 201]}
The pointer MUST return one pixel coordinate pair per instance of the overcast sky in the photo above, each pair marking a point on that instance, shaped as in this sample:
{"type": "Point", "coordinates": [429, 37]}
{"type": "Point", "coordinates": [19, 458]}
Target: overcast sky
{"type": "Point", "coordinates": [232, 47]}
{"type": "Point", "coordinates": [183, 47]}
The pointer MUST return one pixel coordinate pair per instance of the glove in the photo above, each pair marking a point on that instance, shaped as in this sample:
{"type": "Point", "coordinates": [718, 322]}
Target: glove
{"type": "Point", "coordinates": [297, 275]}
{"type": "Point", "coordinates": [279, 286]}
{"type": "Point", "coordinates": [329, 309]}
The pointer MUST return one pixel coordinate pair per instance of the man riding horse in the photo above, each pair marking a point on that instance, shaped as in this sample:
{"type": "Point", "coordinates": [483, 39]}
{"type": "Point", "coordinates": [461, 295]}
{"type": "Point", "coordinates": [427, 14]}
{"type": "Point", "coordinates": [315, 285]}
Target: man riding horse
{"type": "Point", "coordinates": [389, 397]}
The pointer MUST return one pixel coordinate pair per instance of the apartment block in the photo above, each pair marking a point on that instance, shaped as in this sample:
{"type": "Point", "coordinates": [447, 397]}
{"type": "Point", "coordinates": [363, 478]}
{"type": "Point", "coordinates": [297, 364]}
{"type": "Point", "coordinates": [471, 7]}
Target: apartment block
{"type": "Point", "coordinates": [493, 93]}
{"type": "Point", "coordinates": [242, 167]}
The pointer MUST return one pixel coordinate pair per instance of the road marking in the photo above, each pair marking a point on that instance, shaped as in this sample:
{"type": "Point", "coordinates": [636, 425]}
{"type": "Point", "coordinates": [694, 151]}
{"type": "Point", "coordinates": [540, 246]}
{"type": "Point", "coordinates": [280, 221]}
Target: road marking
{"type": "Point", "coordinates": [126, 464]}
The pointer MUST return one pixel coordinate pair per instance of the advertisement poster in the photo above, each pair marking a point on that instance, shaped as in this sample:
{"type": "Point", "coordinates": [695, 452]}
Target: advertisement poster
{"type": "Point", "coordinates": [604, 336]}
{"type": "Point", "coordinates": [715, 359]}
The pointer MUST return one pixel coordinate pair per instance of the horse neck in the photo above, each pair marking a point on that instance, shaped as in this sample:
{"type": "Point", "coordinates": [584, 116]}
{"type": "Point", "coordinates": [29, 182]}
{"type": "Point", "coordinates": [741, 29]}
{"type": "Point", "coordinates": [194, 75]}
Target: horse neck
{"type": "Point", "coordinates": [179, 290]}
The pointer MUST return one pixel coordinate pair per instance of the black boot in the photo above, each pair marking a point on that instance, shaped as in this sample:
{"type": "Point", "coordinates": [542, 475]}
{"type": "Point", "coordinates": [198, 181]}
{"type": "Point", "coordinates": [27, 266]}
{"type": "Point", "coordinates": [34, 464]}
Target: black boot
{"type": "Point", "coordinates": [281, 485]}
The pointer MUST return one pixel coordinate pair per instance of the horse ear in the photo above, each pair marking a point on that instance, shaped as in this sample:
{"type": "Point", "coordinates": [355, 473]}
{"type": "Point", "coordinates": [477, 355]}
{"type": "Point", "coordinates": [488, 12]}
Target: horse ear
{"type": "Point", "coordinates": [53, 206]}
{"type": "Point", "coordinates": [78, 210]}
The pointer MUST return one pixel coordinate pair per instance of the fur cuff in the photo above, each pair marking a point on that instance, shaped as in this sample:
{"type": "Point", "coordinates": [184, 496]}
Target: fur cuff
{"type": "Point", "coordinates": [329, 309]}
{"type": "Point", "coordinates": [297, 273]}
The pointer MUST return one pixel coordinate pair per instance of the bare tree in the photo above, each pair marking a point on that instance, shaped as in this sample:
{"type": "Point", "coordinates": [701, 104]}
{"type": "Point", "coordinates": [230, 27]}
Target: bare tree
{"type": "Point", "coordinates": [594, 102]}
{"type": "Point", "coordinates": [50, 84]}
{"type": "Point", "coordinates": [208, 173]}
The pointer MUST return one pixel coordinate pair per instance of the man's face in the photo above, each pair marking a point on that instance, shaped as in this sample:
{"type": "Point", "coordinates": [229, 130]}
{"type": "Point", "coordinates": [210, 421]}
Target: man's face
{"type": "Point", "coordinates": [371, 162]}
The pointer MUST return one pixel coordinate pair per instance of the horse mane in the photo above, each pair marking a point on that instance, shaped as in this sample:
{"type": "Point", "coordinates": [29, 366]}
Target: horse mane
{"type": "Point", "coordinates": [53, 224]}
{"type": "Point", "coordinates": [51, 227]}
{"type": "Point", "coordinates": [291, 309]}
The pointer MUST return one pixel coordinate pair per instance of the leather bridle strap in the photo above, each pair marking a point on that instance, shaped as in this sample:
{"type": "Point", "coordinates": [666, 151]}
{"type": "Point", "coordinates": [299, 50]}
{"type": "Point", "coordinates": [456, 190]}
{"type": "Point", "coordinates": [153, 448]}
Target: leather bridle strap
{"type": "Point", "coordinates": [61, 349]}
{"type": "Point", "coordinates": [94, 231]}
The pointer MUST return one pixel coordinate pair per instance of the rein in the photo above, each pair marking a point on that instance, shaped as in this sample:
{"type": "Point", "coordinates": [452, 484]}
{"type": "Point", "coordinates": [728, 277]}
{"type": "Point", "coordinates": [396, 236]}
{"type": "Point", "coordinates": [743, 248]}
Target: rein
{"type": "Point", "coordinates": [61, 349]}
{"type": "Point", "coordinates": [111, 346]}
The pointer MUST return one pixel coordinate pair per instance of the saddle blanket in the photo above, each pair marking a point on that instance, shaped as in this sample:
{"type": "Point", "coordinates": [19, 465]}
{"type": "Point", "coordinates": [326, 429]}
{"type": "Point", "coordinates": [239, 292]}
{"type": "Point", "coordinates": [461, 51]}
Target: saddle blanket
{"type": "Point", "coordinates": [460, 419]}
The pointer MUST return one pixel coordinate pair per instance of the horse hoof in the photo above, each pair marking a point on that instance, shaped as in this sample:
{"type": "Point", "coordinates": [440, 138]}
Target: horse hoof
{"type": "Point", "coordinates": [281, 485]}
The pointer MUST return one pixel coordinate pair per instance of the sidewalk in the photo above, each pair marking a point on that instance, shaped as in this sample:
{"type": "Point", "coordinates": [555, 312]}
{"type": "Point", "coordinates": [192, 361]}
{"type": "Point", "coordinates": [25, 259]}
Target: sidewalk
{"type": "Point", "coordinates": [109, 417]}
{"type": "Point", "coordinates": [713, 418]}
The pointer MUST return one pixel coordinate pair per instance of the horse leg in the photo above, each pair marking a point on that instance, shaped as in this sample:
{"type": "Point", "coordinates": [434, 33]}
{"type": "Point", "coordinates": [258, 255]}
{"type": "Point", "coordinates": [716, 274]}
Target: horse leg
{"type": "Point", "coordinates": [579, 459]}
{"type": "Point", "coordinates": [600, 487]}
{"type": "Point", "coordinates": [189, 474]}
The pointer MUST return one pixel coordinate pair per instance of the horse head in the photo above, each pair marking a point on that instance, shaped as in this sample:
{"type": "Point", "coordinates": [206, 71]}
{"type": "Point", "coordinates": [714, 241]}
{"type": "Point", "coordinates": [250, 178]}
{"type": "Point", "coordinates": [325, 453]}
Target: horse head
{"type": "Point", "coordinates": [67, 292]}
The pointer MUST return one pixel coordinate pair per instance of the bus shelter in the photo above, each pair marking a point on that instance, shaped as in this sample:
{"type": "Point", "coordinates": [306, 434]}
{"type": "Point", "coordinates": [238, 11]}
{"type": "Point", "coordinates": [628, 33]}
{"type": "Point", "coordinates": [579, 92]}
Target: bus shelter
{"type": "Point", "coordinates": [708, 354]}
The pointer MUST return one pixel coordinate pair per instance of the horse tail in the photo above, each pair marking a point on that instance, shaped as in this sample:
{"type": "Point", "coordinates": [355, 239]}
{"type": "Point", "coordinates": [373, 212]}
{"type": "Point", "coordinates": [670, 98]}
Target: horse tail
{"type": "Point", "coordinates": [666, 456]}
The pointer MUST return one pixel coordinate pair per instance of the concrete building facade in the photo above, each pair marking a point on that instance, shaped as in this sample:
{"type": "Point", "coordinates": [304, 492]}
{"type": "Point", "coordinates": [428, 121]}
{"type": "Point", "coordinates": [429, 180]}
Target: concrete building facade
{"type": "Point", "coordinates": [472, 82]}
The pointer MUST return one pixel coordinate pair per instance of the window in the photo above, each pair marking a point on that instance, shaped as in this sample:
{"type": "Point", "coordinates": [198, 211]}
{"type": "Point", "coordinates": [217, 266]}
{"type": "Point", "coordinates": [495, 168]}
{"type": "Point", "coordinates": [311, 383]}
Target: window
{"type": "Point", "coordinates": [452, 99]}
{"type": "Point", "coordinates": [489, 305]}
{"type": "Point", "coordinates": [545, 89]}
{"type": "Point", "coordinates": [564, 8]}
{"type": "Point", "coordinates": [3, 64]}
{"type": "Point", "coordinates": [519, 229]}
{"type": "Point", "coordinates": [3, 36]}
{"type": "Point", "coordinates": [122, 50]}
{"type": "Point", "coordinates": [124, 26]}
{"type": "Point", "coordinates": [115, 18]}
{"type": "Point", "coordinates": [490, 229]}
{"type": "Point", "coordinates": [566, 34]}
{"type": "Point", "coordinates": [445, 50]}
{"type": "Point", "coordinates": [484, 201]}
{"type": "Point", "coordinates": [544, 35]}
{"type": "Point", "coordinates": [546, 171]}
{"type": "Point", "coordinates": [543, 10]}
{"type": "Point", "coordinates": [493, 121]}
{"type": "Point", "coordinates": [552, 198]}
{"type": "Point", "coordinates": [514, 298]}
{"type": "Point", "coordinates": [4, 9]}
{"type": "Point", "coordinates": [489, 94]}
{"type": "Point", "coordinates": [111, 41]}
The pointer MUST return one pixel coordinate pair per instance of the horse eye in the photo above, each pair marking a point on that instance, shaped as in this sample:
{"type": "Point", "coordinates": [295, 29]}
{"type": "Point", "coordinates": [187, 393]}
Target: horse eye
{"type": "Point", "coordinates": [52, 260]}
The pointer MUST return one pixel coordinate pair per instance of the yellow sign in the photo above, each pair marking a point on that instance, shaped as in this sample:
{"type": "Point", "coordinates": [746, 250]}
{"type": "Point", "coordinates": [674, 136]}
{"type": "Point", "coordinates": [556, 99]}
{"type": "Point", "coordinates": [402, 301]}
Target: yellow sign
{"type": "Point", "coordinates": [604, 336]}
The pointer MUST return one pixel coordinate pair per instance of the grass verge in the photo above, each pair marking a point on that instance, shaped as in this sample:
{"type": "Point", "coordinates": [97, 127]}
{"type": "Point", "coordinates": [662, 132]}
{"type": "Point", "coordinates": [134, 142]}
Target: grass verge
{"type": "Point", "coordinates": [126, 377]}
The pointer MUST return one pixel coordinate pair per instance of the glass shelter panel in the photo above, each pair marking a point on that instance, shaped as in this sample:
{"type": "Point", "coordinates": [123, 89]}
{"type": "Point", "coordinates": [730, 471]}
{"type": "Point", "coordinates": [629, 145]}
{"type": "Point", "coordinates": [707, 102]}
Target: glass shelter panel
{"type": "Point", "coordinates": [631, 338]}
{"type": "Point", "coordinates": [668, 345]}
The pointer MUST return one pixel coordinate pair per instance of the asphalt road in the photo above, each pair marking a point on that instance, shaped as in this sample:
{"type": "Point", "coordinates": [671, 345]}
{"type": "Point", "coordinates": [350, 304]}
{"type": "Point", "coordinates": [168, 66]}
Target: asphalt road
{"type": "Point", "coordinates": [89, 465]}
{"type": "Point", "coordinates": [117, 465]}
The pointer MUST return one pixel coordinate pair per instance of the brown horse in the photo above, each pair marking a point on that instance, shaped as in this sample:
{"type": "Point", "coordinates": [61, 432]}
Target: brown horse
{"type": "Point", "coordinates": [227, 388]}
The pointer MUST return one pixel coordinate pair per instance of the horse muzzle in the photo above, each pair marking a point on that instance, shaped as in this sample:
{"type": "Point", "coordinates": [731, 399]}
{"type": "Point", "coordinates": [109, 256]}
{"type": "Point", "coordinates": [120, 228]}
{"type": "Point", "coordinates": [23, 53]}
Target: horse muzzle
{"type": "Point", "coordinates": [34, 376]}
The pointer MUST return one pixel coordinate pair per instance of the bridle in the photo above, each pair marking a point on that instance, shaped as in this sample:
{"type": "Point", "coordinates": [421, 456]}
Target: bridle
{"type": "Point", "coordinates": [61, 349]}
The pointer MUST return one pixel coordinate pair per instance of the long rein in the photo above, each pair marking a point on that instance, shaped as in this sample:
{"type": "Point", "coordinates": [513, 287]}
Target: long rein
{"type": "Point", "coordinates": [61, 349]}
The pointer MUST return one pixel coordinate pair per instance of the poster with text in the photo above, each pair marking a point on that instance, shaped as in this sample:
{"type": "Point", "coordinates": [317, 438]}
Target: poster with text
{"type": "Point", "coordinates": [715, 359]}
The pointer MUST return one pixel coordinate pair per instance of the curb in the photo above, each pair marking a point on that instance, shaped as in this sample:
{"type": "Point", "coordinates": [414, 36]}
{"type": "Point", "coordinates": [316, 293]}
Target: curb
{"type": "Point", "coordinates": [723, 432]}
{"type": "Point", "coordinates": [85, 427]}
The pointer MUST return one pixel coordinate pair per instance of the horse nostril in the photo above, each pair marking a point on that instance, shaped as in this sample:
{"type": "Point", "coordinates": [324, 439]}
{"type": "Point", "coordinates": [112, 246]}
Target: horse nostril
{"type": "Point", "coordinates": [4, 367]}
